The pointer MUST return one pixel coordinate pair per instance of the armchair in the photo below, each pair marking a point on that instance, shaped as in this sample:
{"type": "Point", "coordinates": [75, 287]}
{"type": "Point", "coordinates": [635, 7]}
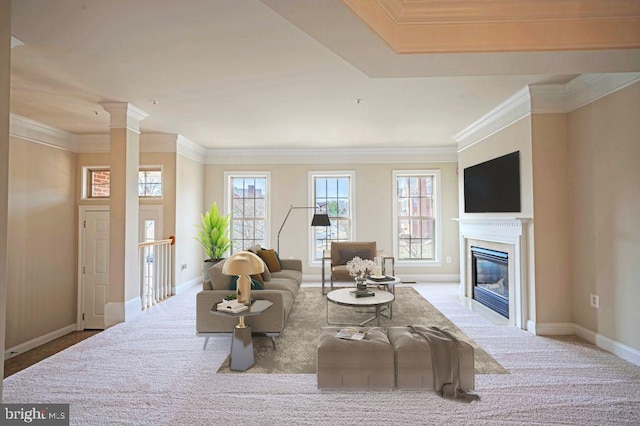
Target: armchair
{"type": "Point", "coordinates": [344, 251]}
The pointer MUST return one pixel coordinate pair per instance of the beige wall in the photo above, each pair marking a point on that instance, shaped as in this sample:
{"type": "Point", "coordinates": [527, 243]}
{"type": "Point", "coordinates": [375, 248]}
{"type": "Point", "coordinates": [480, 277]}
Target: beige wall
{"type": "Point", "coordinates": [604, 148]}
{"type": "Point", "coordinates": [515, 137]}
{"type": "Point", "coordinates": [189, 198]}
{"type": "Point", "coordinates": [42, 237]}
{"type": "Point", "coordinates": [5, 68]}
{"type": "Point", "coordinates": [551, 218]}
{"type": "Point", "coordinates": [289, 186]}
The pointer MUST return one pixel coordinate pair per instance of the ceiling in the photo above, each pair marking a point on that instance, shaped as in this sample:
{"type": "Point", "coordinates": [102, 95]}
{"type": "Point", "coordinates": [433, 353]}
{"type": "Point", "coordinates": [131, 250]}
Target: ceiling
{"type": "Point", "coordinates": [263, 74]}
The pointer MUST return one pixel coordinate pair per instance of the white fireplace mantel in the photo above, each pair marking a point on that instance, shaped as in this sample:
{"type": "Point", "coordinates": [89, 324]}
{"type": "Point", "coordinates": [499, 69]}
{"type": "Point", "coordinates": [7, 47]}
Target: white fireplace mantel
{"type": "Point", "coordinates": [505, 230]}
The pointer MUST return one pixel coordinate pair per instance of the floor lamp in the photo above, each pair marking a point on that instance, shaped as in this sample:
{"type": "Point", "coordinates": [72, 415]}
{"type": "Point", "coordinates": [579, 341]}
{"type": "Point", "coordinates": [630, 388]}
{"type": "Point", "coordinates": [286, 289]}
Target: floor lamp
{"type": "Point", "coordinates": [318, 220]}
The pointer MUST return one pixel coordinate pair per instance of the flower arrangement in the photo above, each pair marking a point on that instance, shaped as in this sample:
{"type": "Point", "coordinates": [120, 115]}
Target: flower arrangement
{"type": "Point", "coordinates": [359, 268]}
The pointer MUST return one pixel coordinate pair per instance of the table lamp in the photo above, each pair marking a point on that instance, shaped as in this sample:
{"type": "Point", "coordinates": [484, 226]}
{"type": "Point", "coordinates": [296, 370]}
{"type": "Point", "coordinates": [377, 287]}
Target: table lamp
{"type": "Point", "coordinates": [243, 264]}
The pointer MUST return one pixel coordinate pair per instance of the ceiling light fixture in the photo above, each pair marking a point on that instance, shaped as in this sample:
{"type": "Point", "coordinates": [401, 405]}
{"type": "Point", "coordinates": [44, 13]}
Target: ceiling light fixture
{"type": "Point", "coordinates": [358, 101]}
{"type": "Point", "coordinates": [155, 101]}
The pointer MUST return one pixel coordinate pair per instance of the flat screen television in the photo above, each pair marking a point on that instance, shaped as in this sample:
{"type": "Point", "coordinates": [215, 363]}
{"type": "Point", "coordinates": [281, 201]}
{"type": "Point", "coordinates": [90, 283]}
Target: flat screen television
{"type": "Point", "coordinates": [493, 186]}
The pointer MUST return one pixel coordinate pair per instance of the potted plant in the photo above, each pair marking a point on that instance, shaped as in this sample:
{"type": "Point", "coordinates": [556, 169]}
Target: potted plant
{"type": "Point", "coordinates": [213, 235]}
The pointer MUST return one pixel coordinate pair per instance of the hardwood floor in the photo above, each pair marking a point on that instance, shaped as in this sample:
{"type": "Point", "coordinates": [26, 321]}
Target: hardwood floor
{"type": "Point", "coordinates": [35, 355]}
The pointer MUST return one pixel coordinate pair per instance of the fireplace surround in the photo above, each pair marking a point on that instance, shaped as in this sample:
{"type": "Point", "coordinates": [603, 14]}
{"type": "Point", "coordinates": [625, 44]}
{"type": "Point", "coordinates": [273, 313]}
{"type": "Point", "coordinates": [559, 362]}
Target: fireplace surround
{"type": "Point", "coordinates": [502, 234]}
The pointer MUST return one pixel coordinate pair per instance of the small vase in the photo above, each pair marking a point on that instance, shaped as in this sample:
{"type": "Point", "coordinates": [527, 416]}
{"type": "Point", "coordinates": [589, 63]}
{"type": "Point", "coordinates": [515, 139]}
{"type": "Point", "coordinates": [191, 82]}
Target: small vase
{"type": "Point", "coordinates": [360, 282]}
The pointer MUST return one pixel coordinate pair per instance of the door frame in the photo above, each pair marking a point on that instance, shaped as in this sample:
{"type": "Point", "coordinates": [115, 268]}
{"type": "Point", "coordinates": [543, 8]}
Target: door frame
{"type": "Point", "coordinates": [82, 211]}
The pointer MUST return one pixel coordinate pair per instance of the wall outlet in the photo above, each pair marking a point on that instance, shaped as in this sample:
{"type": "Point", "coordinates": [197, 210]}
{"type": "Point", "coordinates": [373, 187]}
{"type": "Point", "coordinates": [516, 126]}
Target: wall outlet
{"type": "Point", "coordinates": [183, 266]}
{"type": "Point", "coordinates": [448, 259]}
{"type": "Point", "coordinates": [594, 300]}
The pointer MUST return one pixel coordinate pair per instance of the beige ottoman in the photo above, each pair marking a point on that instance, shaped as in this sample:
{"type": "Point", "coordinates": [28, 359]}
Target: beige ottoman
{"type": "Point", "coordinates": [414, 364]}
{"type": "Point", "coordinates": [366, 363]}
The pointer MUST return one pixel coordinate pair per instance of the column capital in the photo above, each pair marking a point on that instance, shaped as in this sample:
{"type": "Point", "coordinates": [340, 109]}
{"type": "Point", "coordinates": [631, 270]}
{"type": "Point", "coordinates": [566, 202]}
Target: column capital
{"type": "Point", "coordinates": [124, 115]}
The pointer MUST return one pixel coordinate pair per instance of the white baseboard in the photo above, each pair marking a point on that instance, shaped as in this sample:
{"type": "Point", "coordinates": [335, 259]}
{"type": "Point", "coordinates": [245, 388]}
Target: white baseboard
{"type": "Point", "coordinates": [625, 352]}
{"type": "Point", "coordinates": [34, 343]}
{"type": "Point", "coordinates": [181, 288]}
{"type": "Point", "coordinates": [417, 278]}
{"type": "Point", "coordinates": [620, 349]}
{"type": "Point", "coordinates": [132, 308]}
{"type": "Point", "coordinates": [114, 313]}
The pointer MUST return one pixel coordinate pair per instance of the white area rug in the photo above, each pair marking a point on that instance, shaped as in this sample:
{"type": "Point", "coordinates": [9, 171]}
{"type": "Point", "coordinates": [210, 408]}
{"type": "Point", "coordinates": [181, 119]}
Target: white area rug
{"type": "Point", "coordinates": [153, 371]}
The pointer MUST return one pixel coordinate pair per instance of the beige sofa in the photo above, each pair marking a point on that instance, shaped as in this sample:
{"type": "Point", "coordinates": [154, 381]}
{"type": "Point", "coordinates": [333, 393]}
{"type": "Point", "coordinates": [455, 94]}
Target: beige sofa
{"type": "Point", "coordinates": [281, 288]}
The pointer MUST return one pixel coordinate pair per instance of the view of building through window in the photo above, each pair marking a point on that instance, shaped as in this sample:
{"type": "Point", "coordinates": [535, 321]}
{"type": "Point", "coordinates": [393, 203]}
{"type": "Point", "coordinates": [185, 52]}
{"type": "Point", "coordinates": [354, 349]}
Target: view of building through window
{"type": "Point", "coordinates": [332, 195]}
{"type": "Point", "coordinates": [149, 183]}
{"type": "Point", "coordinates": [415, 217]}
{"type": "Point", "coordinates": [248, 211]}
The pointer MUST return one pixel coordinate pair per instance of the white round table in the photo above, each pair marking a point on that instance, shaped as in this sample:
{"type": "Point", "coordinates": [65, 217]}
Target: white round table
{"type": "Point", "coordinates": [346, 297]}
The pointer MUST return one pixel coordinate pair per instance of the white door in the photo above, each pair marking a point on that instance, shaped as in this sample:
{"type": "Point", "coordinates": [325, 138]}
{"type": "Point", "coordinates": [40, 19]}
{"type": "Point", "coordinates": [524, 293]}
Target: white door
{"type": "Point", "coordinates": [95, 268]}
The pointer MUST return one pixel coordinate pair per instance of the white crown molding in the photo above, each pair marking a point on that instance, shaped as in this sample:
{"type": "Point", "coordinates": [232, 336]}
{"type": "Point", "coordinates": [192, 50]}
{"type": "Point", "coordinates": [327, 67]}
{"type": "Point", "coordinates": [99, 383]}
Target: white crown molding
{"type": "Point", "coordinates": [158, 142]}
{"type": "Point", "coordinates": [15, 42]}
{"type": "Point", "coordinates": [93, 143]}
{"type": "Point", "coordinates": [508, 112]}
{"type": "Point", "coordinates": [439, 154]}
{"type": "Point", "coordinates": [544, 99]}
{"type": "Point", "coordinates": [35, 131]}
{"type": "Point", "coordinates": [191, 149]}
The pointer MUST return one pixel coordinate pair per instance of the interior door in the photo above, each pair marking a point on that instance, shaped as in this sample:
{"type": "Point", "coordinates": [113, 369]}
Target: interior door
{"type": "Point", "coordinates": [95, 268]}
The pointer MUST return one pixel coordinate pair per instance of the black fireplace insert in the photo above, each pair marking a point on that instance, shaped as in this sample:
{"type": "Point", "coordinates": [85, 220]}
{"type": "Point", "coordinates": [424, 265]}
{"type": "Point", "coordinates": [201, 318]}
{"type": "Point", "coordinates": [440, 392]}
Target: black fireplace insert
{"type": "Point", "coordinates": [490, 278]}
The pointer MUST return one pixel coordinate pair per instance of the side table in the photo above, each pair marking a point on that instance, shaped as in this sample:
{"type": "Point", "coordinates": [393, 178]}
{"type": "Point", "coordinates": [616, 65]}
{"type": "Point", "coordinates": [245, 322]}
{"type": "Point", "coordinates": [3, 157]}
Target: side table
{"type": "Point", "coordinates": [241, 354]}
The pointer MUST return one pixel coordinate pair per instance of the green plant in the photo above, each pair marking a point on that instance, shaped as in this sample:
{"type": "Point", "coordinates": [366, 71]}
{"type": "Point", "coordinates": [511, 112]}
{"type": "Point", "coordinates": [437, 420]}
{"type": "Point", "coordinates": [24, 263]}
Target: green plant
{"type": "Point", "coordinates": [213, 233]}
{"type": "Point", "coordinates": [230, 296]}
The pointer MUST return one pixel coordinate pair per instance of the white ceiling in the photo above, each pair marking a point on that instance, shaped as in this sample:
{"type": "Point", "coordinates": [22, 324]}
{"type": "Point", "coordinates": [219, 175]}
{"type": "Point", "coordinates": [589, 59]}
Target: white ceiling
{"type": "Point", "coordinates": [260, 74]}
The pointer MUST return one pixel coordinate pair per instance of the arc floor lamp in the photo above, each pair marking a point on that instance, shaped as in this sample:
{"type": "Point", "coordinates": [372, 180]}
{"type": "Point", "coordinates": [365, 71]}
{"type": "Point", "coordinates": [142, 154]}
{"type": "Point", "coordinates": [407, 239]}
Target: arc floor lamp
{"type": "Point", "coordinates": [319, 219]}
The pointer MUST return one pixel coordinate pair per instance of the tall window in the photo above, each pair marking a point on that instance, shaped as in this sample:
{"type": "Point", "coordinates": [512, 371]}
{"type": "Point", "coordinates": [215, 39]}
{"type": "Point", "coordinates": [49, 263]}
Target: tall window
{"type": "Point", "coordinates": [416, 219]}
{"type": "Point", "coordinates": [332, 193]}
{"type": "Point", "coordinates": [248, 197]}
{"type": "Point", "coordinates": [98, 182]}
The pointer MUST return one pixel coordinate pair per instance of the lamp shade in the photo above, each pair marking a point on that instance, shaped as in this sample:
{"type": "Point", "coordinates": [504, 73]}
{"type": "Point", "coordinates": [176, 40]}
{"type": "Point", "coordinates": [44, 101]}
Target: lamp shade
{"type": "Point", "coordinates": [320, 220]}
{"type": "Point", "coordinates": [243, 263]}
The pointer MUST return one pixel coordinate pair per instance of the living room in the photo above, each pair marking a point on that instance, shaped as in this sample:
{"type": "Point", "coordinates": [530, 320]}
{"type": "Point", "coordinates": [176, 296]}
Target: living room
{"type": "Point", "coordinates": [577, 140]}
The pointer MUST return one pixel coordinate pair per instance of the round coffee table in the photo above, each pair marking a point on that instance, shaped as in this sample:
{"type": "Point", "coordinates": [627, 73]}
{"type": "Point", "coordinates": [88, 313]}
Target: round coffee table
{"type": "Point", "coordinates": [390, 284]}
{"type": "Point", "coordinates": [346, 297]}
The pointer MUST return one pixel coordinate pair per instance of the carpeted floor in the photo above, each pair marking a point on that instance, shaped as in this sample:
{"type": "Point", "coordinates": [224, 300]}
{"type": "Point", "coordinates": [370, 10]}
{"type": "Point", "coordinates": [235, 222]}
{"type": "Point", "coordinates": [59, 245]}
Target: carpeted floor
{"type": "Point", "coordinates": [152, 371]}
{"type": "Point", "coordinates": [296, 347]}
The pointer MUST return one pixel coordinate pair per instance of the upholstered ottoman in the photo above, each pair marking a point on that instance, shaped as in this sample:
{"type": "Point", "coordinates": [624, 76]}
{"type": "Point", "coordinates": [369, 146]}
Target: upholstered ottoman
{"type": "Point", "coordinates": [366, 363]}
{"type": "Point", "coordinates": [415, 364]}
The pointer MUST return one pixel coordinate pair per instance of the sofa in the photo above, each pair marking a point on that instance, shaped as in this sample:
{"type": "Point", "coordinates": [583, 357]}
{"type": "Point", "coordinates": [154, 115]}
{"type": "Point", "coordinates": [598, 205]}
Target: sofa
{"type": "Point", "coordinates": [281, 288]}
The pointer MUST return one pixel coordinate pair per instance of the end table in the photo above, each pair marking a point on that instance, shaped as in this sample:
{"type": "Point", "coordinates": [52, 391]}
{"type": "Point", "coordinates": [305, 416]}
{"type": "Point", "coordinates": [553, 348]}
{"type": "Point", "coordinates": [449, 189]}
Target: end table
{"type": "Point", "coordinates": [241, 354]}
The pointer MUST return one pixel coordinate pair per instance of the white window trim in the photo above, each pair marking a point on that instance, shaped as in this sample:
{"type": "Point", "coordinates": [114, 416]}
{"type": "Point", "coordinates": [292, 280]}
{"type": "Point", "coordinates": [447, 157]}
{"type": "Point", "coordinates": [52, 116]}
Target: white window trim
{"type": "Point", "coordinates": [437, 207]}
{"type": "Point", "coordinates": [352, 206]}
{"type": "Point", "coordinates": [227, 197]}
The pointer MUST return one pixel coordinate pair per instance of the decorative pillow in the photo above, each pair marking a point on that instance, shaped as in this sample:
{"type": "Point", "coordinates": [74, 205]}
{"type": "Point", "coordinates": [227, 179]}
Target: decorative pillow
{"type": "Point", "coordinates": [266, 275]}
{"type": "Point", "coordinates": [254, 249]}
{"type": "Point", "coordinates": [255, 284]}
{"type": "Point", "coordinates": [258, 277]}
{"type": "Point", "coordinates": [347, 255]}
{"type": "Point", "coordinates": [271, 259]}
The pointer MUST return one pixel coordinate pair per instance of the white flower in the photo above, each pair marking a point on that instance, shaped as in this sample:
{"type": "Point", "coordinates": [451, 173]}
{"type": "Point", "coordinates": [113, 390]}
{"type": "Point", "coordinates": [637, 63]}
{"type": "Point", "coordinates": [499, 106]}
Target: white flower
{"type": "Point", "coordinates": [358, 267]}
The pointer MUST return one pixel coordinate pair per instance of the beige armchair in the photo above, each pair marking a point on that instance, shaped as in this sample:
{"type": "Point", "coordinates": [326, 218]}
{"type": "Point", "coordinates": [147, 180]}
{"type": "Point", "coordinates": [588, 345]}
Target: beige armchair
{"type": "Point", "coordinates": [342, 252]}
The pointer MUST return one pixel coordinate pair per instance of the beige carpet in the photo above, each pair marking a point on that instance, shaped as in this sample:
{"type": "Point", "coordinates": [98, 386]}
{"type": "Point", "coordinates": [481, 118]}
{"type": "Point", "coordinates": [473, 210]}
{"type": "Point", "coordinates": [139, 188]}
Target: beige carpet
{"type": "Point", "coordinates": [296, 351]}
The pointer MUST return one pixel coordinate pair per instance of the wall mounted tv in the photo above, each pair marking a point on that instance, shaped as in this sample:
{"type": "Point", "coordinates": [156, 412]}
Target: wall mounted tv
{"type": "Point", "coordinates": [493, 186]}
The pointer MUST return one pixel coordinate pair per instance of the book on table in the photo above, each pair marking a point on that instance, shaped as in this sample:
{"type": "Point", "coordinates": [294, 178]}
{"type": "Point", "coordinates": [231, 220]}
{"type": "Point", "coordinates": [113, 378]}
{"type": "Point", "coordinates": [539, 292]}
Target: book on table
{"type": "Point", "coordinates": [350, 334]}
{"type": "Point", "coordinates": [381, 279]}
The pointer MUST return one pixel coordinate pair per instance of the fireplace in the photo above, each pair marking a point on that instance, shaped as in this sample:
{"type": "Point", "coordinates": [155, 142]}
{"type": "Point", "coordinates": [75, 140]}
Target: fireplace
{"type": "Point", "coordinates": [490, 278]}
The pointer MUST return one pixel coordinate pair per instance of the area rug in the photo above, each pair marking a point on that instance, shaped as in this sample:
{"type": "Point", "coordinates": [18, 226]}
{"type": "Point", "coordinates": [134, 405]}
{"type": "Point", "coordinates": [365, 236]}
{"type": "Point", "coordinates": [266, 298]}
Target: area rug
{"type": "Point", "coordinates": [296, 346]}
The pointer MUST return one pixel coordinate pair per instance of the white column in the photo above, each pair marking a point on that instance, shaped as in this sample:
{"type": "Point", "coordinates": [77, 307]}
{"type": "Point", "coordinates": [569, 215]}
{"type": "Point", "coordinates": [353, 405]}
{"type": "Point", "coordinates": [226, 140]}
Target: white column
{"type": "Point", "coordinates": [5, 70]}
{"type": "Point", "coordinates": [123, 226]}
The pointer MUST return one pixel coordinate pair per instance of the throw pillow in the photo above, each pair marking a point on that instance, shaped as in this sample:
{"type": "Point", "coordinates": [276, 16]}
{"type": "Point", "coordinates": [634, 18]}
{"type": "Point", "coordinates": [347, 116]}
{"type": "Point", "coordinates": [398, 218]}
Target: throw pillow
{"type": "Point", "coordinates": [347, 255]}
{"type": "Point", "coordinates": [266, 275]}
{"type": "Point", "coordinates": [271, 259]}
{"type": "Point", "coordinates": [255, 284]}
{"type": "Point", "coordinates": [258, 277]}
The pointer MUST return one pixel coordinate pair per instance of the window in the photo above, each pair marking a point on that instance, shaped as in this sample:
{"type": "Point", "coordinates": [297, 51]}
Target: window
{"type": "Point", "coordinates": [416, 225]}
{"type": "Point", "coordinates": [98, 182]}
{"type": "Point", "coordinates": [150, 182]}
{"type": "Point", "coordinates": [248, 196]}
{"type": "Point", "coordinates": [332, 193]}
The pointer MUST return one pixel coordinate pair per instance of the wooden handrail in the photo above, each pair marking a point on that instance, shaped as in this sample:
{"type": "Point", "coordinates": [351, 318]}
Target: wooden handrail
{"type": "Point", "coordinates": [157, 243]}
